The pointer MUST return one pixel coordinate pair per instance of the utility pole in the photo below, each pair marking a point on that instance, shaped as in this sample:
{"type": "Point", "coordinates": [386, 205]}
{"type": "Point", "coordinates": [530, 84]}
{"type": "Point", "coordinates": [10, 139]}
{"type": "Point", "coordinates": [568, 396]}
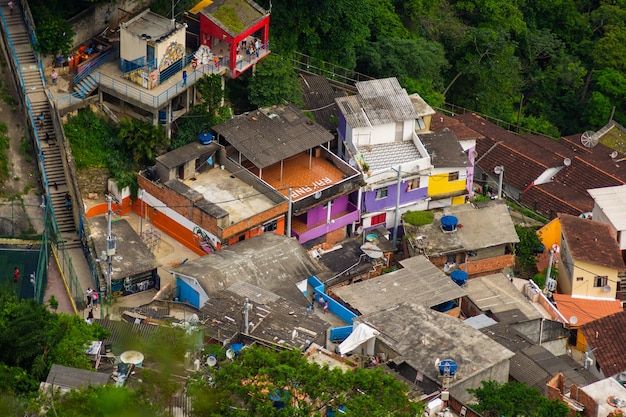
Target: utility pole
{"type": "Point", "coordinates": [500, 171]}
{"type": "Point", "coordinates": [111, 246]}
{"type": "Point", "coordinates": [396, 219]}
{"type": "Point", "coordinates": [288, 231]}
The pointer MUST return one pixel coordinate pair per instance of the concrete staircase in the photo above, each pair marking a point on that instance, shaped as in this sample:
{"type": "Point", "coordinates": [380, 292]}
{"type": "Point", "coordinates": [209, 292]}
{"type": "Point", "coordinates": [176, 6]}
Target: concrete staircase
{"type": "Point", "coordinates": [83, 89]}
{"type": "Point", "coordinates": [56, 172]}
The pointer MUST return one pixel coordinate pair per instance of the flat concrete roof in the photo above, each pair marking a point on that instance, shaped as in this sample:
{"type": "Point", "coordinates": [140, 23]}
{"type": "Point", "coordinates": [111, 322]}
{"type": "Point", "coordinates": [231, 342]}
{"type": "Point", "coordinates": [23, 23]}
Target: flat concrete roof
{"type": "Point", "coordinates": [600, 391]}
{"type": "Point", "coordinates": [151, 24]}
{"type": "Point", "coordinates": [421, 335]}
{"type": "Point", "coordinates": [225, 190]}
{"type": "Point", "coordinates": [479, 227]}
{"type": "Point", "coordinates": [419, 281]}
{"type": "Point", "coordinates": [497, 294]}
{"type": "Point", "coordinates": [132, 256]}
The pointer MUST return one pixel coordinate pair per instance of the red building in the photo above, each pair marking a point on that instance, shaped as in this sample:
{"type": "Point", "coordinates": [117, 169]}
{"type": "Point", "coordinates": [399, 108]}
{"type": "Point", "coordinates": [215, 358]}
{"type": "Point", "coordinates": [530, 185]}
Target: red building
{"type": "Point", "coordinates": [236, 32]}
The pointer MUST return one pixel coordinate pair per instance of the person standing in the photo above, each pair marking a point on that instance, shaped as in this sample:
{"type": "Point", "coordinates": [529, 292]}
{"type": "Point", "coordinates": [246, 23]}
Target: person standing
{"type": "Point", "coordinates": [54, 76]}
{"type": "Point", "coordinates": [68, 201]}
{"type": "Point", "coordinates": [184, 78]}
{"type": "Point", "coordinates": [94, 298]}
{"type": "Point", "coordinates": [11, 5]}
{"type": "Point", "coordinates": [89, 293]}
{"type": "Point", "coordinates": [42, 118]}
{"type": "Point", "coordinates": [16, 276]}
{"type": "Point", "coordinates": [257, 47]}
{"type": "Point", "coordinates": [321, 301]}
{"type": "Point", "coordinates": [325, 306]}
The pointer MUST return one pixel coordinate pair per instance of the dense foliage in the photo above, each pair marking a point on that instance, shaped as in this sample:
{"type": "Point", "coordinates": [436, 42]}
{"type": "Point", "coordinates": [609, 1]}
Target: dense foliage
{"type": "Point", "coordinates": [243, 387]}
{"type": "Point", "coordinates": [563, 63]}
{"type": "Point", "coordinates": [515, 399]}
{"type": "Point", "coordinates": [526, 249]}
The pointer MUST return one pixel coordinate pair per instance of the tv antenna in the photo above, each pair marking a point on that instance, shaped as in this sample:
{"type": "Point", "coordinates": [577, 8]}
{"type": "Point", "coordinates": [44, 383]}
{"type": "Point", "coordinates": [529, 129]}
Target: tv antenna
{"type": "Point", "coordinates": [589, 139]}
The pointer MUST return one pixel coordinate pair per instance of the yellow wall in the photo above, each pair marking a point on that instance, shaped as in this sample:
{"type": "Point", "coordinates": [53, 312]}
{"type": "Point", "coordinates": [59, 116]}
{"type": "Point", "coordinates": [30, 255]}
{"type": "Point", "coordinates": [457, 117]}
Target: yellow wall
{"type": "Point", "coordinates": [550, 233]}
{"type": "Point", "coordinates": [439, 184]}
{"type": "Point", "coordinates": [588, 272]}
{"type": "Point", "coordinates": [458, 200]}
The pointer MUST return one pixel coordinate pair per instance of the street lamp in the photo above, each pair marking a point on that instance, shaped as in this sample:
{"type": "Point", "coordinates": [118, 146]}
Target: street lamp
{"type": "Point", "coordinates": [499, 169]}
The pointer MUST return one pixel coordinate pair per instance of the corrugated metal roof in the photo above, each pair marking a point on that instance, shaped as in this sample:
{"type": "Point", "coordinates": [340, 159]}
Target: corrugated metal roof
{"type": "Point", "coordinates": [612, 202]}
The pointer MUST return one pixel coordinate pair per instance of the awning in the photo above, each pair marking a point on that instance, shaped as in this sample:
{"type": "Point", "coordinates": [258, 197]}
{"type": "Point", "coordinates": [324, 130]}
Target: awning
{"type": "Point", "coordinates": [360, 334]}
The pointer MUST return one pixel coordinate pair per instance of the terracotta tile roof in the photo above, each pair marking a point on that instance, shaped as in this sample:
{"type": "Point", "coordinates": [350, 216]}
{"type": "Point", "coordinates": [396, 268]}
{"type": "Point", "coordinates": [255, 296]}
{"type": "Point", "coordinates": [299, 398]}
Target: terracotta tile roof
{"type": "Point", "coordinates": [440, 122]}
{"type": "Point", "coordinates": [606, 336]}
{"type": "Point", "coordinates": [525, 157]}
{"type": "Point", "coordinates": [591, 241]}
{"type": "Point", "coordinates": [585, 310]}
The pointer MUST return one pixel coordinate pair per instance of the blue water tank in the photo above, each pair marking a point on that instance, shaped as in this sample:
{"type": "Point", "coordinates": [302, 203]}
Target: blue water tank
{"type": "Point", "coordinates": [447, 367]}
{"type": "Point", "coordinates": [236, 347]}
{"type": "Point", "coordinates": [205, 138]}
{"type": "Point", "coordinates": [448, 223]}
{"type": "Point", "coordinates": [459, 277]}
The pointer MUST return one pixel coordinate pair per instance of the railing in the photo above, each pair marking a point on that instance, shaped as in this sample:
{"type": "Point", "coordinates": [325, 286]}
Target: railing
{"type": "Point", "coordinates": [130, 66]}
{"type": "Point", "coordinates": [334, 72]}
{"type": "Point", "coordinates": [173, 69]}
{"type": "Point", "coordinates": [85, 70]}
{"type": "Point", "coordinates": [32, 30]}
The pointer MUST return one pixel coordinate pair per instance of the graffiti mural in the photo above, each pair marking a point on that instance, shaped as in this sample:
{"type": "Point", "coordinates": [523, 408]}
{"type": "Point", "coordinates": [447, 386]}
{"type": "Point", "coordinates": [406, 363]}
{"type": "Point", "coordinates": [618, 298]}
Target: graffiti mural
{"type": "Point", "coordinates": [174, 52]}
{"type": "Point", "coordinates": [205, 240]}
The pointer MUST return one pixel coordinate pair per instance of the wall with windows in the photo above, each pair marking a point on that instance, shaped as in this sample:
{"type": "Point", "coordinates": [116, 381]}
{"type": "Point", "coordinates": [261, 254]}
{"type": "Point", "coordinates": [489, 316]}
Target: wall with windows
{"type": "Point", "coordinates": [384, 197]}
{"type": "Point", "coordinates": [451, 180]}
{"type": "Point", "coordinates": [586, 280]}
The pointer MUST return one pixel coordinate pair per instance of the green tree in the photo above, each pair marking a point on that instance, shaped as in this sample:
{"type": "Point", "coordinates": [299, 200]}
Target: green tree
{"type": "Point", "coordinates": [246, 384]}
{"type": "Point", "coordinates": [142, 139]}
{"type": "Point", "coordinates": [515, 399]}
{"type": "Point", "coordinates": [526, 249]}
{"type": "Point", "coordinates": [54, 34]}
{"type": "Point", "coordinates": [275, 82]}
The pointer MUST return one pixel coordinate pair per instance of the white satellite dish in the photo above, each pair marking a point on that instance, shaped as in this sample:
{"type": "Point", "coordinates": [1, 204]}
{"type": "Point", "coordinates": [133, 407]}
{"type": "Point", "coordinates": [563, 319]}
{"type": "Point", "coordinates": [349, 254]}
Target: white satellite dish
{"type": "Point", "coordinates": [211, 361]}
{"type": "Point", "coordinates": [474, 154]}
{"type": "Point", "coordinates": [230, 353]}
{"type": "Point", "coordinates": [317, 195]}
{"type": "Point", "coordinates": [372, 250]}
{"type": "Point", "coordinates": [614, 154]}
{"type": "Point", "coordinates": [573, 320]}
{"type": "Point", "coordinates": [567, 162]}
{"type": "Point", "coordinates": [606, 288]}
{"type": "Point", "coordinates": [498, 169]}
{"type": "Point", "coordinates": [589, 139]}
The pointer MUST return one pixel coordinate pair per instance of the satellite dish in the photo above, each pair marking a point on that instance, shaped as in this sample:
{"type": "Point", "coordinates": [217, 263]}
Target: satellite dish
{"type": "Point", "coordinates": [230, 353]}
{"type": "Point", "coordinates": [474, 154]}
{"type": "Point", "coordinates": [567, 162]}
{"type": "Point", "coordinates": [359, 230]}
{"type": "Point", "coordinates": [589, 139]}
{"type": "Point", "coordinates": [498, 169]}
{"type": "Point", "coordinates": [352, 162]}
{"type": "Point", "coordinates": [606, 288]}
{"type": "Point", "coordinates": [614, 154]}
{"type": "Point", "coordinates": [211, 361]}
{"type": "Point", "coordinates": [573, 320]}
{"type": "Point", "coordinates": [317, 195]}
{"type": "Point", "coordinates": [437, 362]}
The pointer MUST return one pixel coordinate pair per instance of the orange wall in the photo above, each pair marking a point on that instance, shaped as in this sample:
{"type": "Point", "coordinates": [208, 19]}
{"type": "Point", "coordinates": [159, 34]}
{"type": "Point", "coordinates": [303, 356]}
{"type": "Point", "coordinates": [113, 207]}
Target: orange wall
{"type": "Point", "coordinates": [121, 209]}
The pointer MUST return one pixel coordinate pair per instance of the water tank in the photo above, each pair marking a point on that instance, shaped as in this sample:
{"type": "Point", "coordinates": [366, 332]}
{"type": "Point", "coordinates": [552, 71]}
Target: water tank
{"type": "Point", "coordinates": [459, 277]}
{"type": "Point", "coordinates": [447, 368]}
{"type": "Point", "coordinates": [448, 224]}
{"type": "Point", "coordinates": [205, 138]}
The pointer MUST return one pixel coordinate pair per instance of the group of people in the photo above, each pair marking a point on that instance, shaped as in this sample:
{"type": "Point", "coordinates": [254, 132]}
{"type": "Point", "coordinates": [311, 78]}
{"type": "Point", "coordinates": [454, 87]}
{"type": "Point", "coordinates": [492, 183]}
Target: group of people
{"type": "Point", "coordinates": [92, 303]}
{"type": "Point", "coordinates": [322, 303]}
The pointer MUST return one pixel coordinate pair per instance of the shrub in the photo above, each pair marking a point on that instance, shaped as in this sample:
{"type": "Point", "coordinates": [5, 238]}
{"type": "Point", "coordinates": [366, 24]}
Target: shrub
{"type": "Point", "coordinates": [419, 218]}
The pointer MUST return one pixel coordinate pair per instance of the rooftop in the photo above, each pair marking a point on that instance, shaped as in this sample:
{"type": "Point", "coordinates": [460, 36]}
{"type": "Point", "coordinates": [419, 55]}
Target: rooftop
{"type": "Point", "coordinates": [267, 136]}
{"type": "Point", "coordinates": [591, 242]}
{"type": "Point", "coordinates": [150, 24]}
{"type": "Point", "coordinates": [601, 391]}
{"type": "Point", "coordinates": [479, 227]}
{"type": "Point", "coordinates": [444, 149]}
{"type": "Point", "coordinates": [319, 94]}
{"type": "Point", "coordinates": [612, 202]}
{"type": "Point", "coordinates": [132, 256]}
{"type": "Point", "coordinates": [230, 193]}
{"type": "Point", "coordinates": [420, 335]}
{"type": "Point", "coordinates": [613, 135]}
{"type": "Point", "coordinates": [585, 310]}
{"type": "Point", "coordinates": [440, 122]}
{"type": "Point", "coordinates": [378, 102]}
{"type": "Point", "coordinates": [385, 155]}
{"type": "Point", "coordinates": [247, 13]}
{"type": "Point", "coordinates": [419, 281]}
{"type": "Point", "coordinates": [495, 293]}
{"type": "Point", "coordinates": [272, 318]}
{"type": "Point", "coordinates": [65, 377]}
{"type": "Point", "coordinates": [421, 107]}
{"type": "Point", "coordinates": [607, 339]}
{"type": "Point", "coordinates": [269, 261]}
{"type": "Point", "coordinates": [189, 152]}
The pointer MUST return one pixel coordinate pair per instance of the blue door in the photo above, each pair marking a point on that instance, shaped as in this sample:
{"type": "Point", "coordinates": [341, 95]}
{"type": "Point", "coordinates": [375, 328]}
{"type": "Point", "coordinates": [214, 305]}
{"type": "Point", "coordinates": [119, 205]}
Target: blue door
{"type": "Point", "coordinates": [187, 294]}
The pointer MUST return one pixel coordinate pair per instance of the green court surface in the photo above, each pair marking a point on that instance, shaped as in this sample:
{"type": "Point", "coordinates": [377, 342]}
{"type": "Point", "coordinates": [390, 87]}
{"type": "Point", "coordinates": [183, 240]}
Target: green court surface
{"type": "Point", "coordinates": [26, 262]}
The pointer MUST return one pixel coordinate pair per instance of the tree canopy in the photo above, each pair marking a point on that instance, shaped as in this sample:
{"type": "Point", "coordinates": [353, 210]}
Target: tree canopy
{"type": "Point", "coordinates": [262, 382]}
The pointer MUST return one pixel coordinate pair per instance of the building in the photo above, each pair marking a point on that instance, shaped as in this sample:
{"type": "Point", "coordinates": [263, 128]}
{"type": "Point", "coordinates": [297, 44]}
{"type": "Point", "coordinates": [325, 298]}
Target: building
{"type": "Point", "coordinates": [609, 207]}
{"type": "Point", "coordinates": [377, 133]}
{"type": "Point", "coordinates": [207, 201]}
{"type": "Point", "coordinates": [450, 178]}
{"type": "Point", "coordinates": [229, 28]}
{"type": "Point", "coordinates": [133, 267]}
{"type": "Point", "coordinates": [415, 339]}
{"type": "Point", "coordinates": [549, 176]}
{"type": "Point", "coordinates": [418, 281]}
{"type": "Point", "coordinates": [590, 259]}
{"type": "Point", "coordinates": [271, 262]}
{"type": "Point", "coordinates": [598, 399]}
{"type": "Point", "coordinates": [289, 152]}
{"type": "Point", "coordinates": [606, 347]}
{"type": "Point", "coordinates": [481, 243]}
{"type": "Point", "coordinates": [64, 379]}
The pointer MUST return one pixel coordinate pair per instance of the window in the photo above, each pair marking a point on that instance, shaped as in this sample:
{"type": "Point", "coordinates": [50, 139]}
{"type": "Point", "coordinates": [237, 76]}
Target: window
{"type": "Point", "coordinates": [381, 193]}
{"type": "Point", "coordinates": [419, 124]}
{"type": "Point", "coordinates": [414, 184]}
{"type": "Point", "coordinates": [271, 226]}
{"type": "Point", "coordinates": [580, 279]}
{"type": "Point", "coordinates": [453, 176]}
{"type": "Point", "coordinates": [600, 281]}
{"type": "Point", "coordinates": [378, 219]}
